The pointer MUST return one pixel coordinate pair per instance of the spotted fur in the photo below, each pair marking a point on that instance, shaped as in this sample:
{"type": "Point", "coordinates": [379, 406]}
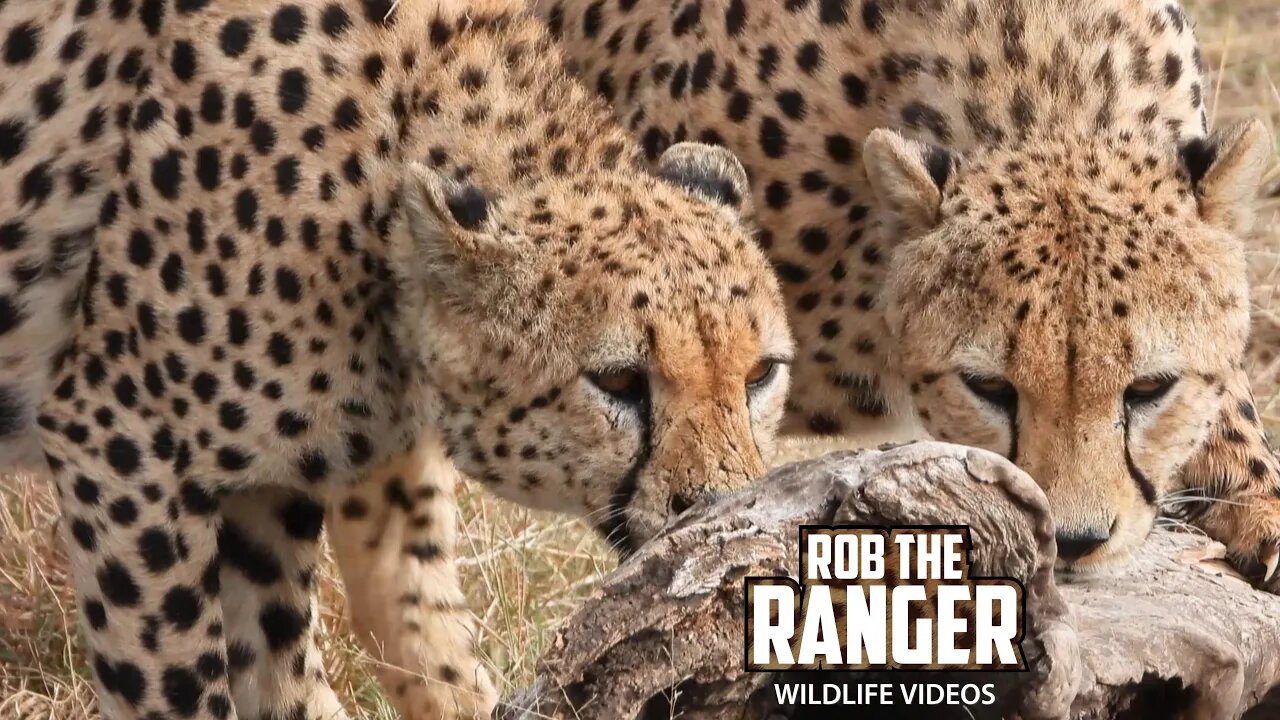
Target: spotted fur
{"type": "Point", "coordinates": [260, 258]}
{"type": "Point", "coordinates": [999, 222]}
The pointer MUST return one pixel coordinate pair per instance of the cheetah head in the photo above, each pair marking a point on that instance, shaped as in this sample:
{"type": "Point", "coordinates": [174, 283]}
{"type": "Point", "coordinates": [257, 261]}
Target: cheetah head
{"type": "Point", "coordinates": [1074, 303]}
{"type": "Point", "coordinates": [615, 347]}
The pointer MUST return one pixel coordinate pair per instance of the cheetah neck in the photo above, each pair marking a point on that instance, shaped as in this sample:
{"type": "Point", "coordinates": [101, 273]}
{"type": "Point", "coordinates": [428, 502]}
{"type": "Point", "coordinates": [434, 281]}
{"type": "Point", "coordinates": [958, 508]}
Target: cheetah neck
{"type": "Point", "coordinates": [487, 99]}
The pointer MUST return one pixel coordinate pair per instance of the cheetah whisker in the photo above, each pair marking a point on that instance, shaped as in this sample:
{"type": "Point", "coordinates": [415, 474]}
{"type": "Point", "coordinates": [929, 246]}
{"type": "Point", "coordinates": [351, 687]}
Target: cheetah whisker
{"type": "Point", "coordinates": [1185, 491]}
{"type": "Point", "coordinates": [1203, 500]}
{"type": "Point", "coordinates": [1164, 523]}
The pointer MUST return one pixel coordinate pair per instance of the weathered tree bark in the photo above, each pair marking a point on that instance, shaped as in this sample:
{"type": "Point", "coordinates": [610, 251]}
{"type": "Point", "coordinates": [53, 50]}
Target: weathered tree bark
{"type": "Point", "coordinates": [1178, 634]}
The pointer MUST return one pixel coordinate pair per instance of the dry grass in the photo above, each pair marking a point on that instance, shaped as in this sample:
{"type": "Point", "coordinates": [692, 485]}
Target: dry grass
{"type": "Point", "coordinates": [525, 571]}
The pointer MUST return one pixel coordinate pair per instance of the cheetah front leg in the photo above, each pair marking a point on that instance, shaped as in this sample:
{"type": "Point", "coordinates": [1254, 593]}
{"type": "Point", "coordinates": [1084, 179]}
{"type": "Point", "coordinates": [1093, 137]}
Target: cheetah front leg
{"type": "Point", "coordinates": [145, 564]}
{"type": "Point", "coordinates": [394, 536]}
{"type": "Point", "coordinates": [269, 545]}
{"type": "Point", "coordinates": [1231, 488]}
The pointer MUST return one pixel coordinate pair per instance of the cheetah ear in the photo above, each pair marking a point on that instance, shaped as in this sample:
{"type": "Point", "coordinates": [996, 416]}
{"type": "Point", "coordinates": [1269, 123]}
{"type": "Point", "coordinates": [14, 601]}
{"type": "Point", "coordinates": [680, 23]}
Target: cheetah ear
{"type": "Point", "coordinates": [1226, 170]}
{"type": "Point", "coordinates": [709, 172]}
{"type": "Point", "coordinates": [452, 238]}
{"type": "Point", "coordinates": [907, 176]}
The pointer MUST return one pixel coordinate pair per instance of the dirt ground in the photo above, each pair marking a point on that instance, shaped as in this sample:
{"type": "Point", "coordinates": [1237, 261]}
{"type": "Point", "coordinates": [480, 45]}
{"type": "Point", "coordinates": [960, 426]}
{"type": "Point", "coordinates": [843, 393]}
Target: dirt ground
{"type": "Point", "coordinates": [525, 571]}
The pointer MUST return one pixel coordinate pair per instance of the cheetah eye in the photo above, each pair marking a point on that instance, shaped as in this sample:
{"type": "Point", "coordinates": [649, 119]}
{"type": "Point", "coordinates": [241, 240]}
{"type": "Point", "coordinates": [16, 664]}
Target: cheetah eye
{"type": "Point", "coordinates": [994, 390]}
{"type": "Point", "coordinates": [628, 385]}
{"type": "Point", "coordinates": [1148, 390]}
{"type": "Point", "coordinates": [762, 372]}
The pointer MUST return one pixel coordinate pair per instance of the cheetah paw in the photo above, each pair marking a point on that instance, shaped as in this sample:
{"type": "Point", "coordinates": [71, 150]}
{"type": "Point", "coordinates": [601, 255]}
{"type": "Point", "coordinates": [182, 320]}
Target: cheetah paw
{"type": "Point", "coordinates": [1261, 565]}
{"type": "Point", "coordinates": [463, 696]}
{"type": "Point", "coordinates": [1250, 528]}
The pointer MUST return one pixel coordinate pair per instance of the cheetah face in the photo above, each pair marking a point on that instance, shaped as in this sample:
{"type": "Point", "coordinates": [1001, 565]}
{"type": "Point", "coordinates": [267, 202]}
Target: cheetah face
{"type": "Point", "coordinates": [617, 349]}
{"type": "Point", "coordinates": [1076, 305]}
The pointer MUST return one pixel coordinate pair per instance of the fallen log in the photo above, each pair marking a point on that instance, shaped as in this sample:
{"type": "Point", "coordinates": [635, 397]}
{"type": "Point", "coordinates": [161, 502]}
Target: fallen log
{"type": "Point", "coordinates": [1176, 634]}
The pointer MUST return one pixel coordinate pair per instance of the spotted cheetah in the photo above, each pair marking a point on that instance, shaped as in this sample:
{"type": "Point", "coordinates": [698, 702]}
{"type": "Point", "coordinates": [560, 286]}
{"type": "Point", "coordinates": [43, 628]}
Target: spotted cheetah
{"type": "Point", "coordinates": [1001, 223]}
{"type": "Point", "coordinates": [260, 257]}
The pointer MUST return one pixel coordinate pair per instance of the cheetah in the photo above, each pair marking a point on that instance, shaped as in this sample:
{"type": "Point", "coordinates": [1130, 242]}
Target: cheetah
{"type": "Point", "coordinates": [267, 263]}
{"type": "Point", "coordinates": [1001, 223]}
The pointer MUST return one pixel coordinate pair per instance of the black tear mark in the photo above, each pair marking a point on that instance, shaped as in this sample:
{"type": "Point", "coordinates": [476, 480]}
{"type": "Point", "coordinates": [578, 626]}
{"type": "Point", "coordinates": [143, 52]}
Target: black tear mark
{"type": "Point", "coordinates": [1139, 478]}
{"type": "Point", "coordinates": [614, 526]}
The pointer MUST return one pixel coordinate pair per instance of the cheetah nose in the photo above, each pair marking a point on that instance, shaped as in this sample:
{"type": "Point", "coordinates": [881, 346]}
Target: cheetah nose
{"type": "Point", "coordinates": [1073, 545]}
